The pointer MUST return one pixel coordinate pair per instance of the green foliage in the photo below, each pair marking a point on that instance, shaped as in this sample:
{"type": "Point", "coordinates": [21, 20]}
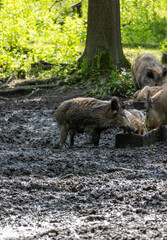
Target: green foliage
{"type": "Point", "coordinates": [143, 22]}
{"type": "Point", "coordinates": [29, 34]}
{"type": "Point", "coordinates": [118, 83]}
{"type": "Point", "coordinates": [164, 46]}
{"type": "Point", "coordinates": [164, 52]}
{"type": "Point", "coordinates": [1, 4]}
{"type": "Point", "coordinates": [32, 30]}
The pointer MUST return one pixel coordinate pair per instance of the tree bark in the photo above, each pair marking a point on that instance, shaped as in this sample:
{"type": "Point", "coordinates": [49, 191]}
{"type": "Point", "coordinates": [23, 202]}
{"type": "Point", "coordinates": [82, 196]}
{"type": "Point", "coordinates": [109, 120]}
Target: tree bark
{"type": "Point", "coordinates": [103, 43]}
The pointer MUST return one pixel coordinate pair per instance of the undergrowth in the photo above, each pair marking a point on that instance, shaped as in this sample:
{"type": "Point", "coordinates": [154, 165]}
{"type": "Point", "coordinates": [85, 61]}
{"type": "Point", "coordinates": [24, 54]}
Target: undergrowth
{"type": "Point", "coordinates": [118, 83]}
{"type": "Point", "coordinates": [32, 31]}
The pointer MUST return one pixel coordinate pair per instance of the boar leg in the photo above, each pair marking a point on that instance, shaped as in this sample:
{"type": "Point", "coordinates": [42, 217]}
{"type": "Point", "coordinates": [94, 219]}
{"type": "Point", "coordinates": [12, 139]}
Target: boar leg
{"type": "Point", "coordinates": [134, 83]}
{"type": "Point", "coordinates": [96, 137]}
{"type": "Point", "coordinates": [64, 133]}
{"type": "Point", "coordinates": [72, 135]}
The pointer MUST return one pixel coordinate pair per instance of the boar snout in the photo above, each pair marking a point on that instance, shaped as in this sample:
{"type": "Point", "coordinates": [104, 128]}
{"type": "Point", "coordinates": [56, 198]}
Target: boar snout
{"type": "Point", "coordinates": [148, 128]}
{"type": "Point", "coordinates": [129, 129]}
{"type": "Point", "coordinates": [125, 124]}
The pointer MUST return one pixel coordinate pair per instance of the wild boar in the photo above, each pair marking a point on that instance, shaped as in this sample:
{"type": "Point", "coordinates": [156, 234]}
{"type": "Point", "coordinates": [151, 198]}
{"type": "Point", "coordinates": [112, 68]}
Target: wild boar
{"type": "Point", "coordinates": [135, 122]}
{"type": "Point", "coordinates": [138, 114]}
{"type": "Point", "coordinates": [147, 70]}
{"type": "Point", "coordinates": [89, 115]}
{"type": "Point", "coordinates": [156, 109]}
{"type": "Point", "coordinates": [141, 95]}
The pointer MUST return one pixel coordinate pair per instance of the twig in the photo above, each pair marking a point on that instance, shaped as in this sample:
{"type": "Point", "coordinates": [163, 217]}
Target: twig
{"type": "Point", "coordinates": [75, 5]}
{"type": "Point", "coordinates": [54, 4]}
{"type": "Point", "coordinates": [114, 169]}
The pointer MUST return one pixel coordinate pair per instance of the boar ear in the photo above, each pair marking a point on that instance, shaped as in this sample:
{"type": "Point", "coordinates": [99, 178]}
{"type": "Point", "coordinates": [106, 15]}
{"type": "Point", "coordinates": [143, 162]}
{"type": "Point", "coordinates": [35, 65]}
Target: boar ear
{"type": "Point", "coordinates": [114, 104]}
{"type": "Point", "coordinates": [150, 72]}
{"type": "Point", "coordinates": [164, 71]}
{"type": "Point", "coordinates": [149, 100]}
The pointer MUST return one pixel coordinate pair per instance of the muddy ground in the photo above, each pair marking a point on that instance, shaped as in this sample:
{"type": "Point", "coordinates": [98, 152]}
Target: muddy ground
{"type": "Point", "coordinates": [81, 193]}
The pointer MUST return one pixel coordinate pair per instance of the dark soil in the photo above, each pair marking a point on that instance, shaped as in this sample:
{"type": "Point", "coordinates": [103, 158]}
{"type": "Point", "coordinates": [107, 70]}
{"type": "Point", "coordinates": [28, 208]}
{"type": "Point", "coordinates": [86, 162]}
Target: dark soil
{"type": "Point", "coordinates": [80, 193]}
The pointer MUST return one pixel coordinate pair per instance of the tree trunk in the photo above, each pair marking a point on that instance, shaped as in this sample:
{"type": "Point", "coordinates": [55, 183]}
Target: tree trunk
{"type": "Point", "coordinates": [103, 44]}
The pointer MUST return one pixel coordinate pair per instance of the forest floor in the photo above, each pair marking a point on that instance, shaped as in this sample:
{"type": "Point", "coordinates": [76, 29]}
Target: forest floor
{"type": "Point", "coordinates": [82, 193]}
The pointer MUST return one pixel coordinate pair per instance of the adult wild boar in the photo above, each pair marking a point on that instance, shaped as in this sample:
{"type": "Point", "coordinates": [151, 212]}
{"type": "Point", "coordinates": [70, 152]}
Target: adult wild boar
{"type": "Point", "coordinates": [147, 70]}
{"type": "Point", "coordinates": [156, 110]}
{"type": "Point", "coordinates": [89, 115]}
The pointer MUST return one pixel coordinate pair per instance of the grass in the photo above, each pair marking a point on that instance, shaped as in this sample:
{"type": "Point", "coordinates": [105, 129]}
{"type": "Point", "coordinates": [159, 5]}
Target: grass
{"type": "Point", "coordinates": [132, 53]}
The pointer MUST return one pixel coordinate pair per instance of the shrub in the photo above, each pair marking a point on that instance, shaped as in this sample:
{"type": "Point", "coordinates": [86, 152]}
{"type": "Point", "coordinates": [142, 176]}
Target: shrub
{"type": "Point", "coordinates": [118, 83]}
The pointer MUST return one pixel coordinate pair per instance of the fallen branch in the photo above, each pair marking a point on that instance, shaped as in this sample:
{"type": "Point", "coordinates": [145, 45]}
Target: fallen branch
{"type": "Point", "coordinates": [44, 65]}
{"type": "Point", "coordinates": [47, 66]}
{"type": "Point", "coordinates": [8, 80]}
{"type": "Point", "coordinates": [25, 89]}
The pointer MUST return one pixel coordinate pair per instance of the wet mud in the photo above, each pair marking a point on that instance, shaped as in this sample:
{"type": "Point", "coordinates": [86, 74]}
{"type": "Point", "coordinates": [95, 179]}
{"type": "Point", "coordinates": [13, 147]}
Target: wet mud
{"type": "Point", "coordinates": [80, 193]}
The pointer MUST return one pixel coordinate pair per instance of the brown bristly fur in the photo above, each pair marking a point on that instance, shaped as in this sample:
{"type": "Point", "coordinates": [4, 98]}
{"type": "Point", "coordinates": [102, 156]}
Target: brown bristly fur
{"type": "Point", "coordinates": [147, 70]}
{"type": "Point", "coordinates": [141, 95]}
{"type": "Point", "coordinates": [156, 113]}
{"type": "Point", "coordinates": [90, 115]}
{"type": "Point", "coordinates": [136, 122]}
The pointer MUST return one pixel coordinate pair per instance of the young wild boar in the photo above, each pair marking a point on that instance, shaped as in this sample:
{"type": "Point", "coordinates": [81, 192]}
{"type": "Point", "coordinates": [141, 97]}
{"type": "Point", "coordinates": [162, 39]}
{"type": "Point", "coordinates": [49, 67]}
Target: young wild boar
{"type": "Point", "coordinates": [138, 114]}
{"type": "Point", "coordinates": [156, 111]}
{"type": "Point", "coordinates": [141, 95]}
{"type": "Point", "coordinates": [147, 70]}
{"type": "Point", "coordinates": [135, 122]}
{"type": "Point", "coordinates": [89, 115]}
